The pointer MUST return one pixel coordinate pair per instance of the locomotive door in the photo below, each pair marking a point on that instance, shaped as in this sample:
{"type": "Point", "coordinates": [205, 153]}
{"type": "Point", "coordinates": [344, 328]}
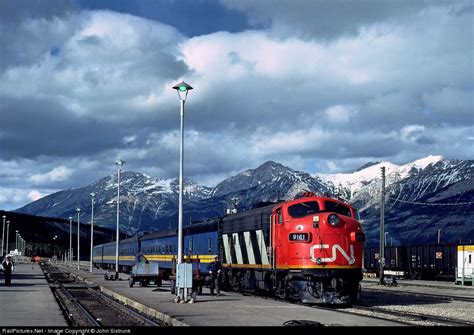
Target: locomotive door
{"type": "Point", "coordinates": [273, 221]}
{"type": "Point", "coordinates": [279, 245]}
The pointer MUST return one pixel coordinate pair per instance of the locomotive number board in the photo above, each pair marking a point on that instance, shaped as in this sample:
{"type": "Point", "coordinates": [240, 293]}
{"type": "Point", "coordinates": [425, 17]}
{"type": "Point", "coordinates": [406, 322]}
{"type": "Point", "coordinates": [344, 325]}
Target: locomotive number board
{"type": "Point", "coordinates": [302, 237]}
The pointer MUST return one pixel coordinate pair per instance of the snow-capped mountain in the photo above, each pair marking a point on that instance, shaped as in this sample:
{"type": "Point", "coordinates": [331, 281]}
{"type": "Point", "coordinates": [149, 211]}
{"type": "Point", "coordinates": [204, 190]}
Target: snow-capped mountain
{"type": "Point", "coordinates": [350, 184]}
{"type": "Point", "coordinates": [419, 198]}
{"type": "Point", "coordinates": [143, 200]}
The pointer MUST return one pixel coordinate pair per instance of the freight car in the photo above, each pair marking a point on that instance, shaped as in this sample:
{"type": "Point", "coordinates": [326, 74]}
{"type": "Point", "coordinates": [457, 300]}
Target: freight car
{"type": "Point", "coordinates": [307, 249]}
{"type": "Point", "coordinates": [427, 262]}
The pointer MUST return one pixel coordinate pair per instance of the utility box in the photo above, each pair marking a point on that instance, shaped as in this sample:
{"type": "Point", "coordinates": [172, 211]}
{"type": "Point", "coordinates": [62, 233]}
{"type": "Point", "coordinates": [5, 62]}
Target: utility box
{"type": "Point", "coordinates": [185, 275]}
{"type": "Point", "coordinates": [465, 265]}
{"type": "Point", "coordinates": [145, 272]}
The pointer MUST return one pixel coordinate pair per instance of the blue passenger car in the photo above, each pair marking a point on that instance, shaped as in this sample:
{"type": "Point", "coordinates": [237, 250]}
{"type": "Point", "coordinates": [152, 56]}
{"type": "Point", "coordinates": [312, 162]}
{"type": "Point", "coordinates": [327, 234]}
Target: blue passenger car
{"type": "Point", "coordinates": [200, 244]}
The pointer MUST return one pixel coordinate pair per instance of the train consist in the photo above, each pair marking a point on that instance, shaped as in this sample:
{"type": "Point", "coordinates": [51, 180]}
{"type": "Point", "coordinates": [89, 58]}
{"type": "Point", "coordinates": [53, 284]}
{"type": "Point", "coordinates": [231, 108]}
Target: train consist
{"type": "Point", "coordinates": [308, 249]}
{"type": "Point", "coordinates": [428, 262]}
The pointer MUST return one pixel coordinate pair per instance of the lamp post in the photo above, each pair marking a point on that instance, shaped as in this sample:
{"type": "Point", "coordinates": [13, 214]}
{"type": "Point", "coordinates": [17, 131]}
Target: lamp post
{"type": "Point", "coordinates": [8, 233]}
{"type": "Point", "coordinates": [78, 210]}
{"type": "Point", "coordinates": [382, 235]}
{"type": "Point", "coordinates": [16, 239]}
{"type": "Point", "coordinates": [70, 241]}
{"type": "Point", "coordinates": [385, 239]}
{"type": "Point", "coordinates": [3, 234]}
{"type": "Point", "coordinates": [119, 164]}
{"type": "Point", "coordinates": [92, 228]}
{"type": "Point", "coordinates": [182, 88]}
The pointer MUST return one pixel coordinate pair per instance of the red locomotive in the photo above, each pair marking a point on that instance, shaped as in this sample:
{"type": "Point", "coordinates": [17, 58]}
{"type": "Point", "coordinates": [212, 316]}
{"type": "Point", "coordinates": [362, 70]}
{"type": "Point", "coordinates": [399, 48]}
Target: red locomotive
{"type": "Point", "coordinates": [308, 249]}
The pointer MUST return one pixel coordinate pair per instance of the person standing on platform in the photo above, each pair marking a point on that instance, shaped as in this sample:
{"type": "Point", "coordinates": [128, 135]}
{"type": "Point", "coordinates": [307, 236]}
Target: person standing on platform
{"type": "Point", "coordinates": [8, 267]}
{"type": "Point", "coordinates": [215, 272]}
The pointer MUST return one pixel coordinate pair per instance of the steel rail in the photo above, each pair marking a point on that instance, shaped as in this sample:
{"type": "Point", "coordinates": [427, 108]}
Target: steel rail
{"type": "Point", "coordinates": [126, 309]}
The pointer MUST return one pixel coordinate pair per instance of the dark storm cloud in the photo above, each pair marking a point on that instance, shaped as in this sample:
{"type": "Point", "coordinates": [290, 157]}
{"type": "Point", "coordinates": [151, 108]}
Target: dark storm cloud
{"type": "Point", "coordinates": [30, 28]}
{"type": "Point", "coordinates": [193, 18]}
{"type": "Point", "coordinates": [35, 127]}
{"type": "Point", "coordinates": [319, 85]}
{"type": "Point", "coordinates": [322, 19]}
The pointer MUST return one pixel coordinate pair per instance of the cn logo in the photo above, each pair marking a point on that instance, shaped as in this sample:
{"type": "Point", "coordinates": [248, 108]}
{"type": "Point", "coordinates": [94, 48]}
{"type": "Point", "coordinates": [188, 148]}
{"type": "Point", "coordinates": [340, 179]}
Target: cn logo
{"type": "Point", "coordinates": [335, 248]}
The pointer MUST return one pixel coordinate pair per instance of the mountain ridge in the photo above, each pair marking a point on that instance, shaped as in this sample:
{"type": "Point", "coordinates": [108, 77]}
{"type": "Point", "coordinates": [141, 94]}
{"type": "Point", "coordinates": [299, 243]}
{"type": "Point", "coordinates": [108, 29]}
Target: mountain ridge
{"type": "Point", "coordinates": [149, 204]}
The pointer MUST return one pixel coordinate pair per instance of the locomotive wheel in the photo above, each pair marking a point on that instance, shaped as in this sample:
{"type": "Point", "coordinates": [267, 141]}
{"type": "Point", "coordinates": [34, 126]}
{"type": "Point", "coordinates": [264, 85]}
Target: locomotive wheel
{"type": "Point", "coordinates": [354, 293]}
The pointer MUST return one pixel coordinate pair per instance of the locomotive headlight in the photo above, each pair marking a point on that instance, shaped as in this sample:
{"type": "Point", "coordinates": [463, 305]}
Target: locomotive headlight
{"type": "Point", "coordinates": [333, 219]}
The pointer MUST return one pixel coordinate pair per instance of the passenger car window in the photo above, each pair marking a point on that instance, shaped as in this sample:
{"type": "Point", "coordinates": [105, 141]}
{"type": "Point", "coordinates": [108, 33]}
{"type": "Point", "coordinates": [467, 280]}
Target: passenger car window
{"type": "Point", "coordinates": [303, 209]}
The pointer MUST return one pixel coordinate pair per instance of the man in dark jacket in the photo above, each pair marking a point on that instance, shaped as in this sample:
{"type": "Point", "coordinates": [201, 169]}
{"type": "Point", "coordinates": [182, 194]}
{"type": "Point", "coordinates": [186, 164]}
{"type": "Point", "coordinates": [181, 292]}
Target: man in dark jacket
{"type": "Point", "coordinates": [215, 269]}
{"type": "Point", "coordinates": [7, 270]}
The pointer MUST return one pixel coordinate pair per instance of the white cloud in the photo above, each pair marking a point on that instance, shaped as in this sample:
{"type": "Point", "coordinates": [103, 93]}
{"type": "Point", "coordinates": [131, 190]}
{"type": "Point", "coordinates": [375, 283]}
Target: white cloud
{"type": "Point", "coordinates": [35, 195]}
{"type": "Point", "coordinates": [59, 173]}
{"type": "Point", "coordinates": [381, 85]}
{"type": "Point", "coordinates": [411, 133]}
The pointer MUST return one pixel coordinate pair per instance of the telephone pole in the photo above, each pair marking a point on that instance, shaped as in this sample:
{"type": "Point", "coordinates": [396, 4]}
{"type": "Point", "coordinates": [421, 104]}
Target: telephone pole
{"type": "Point", "coordinates": [382, 233]}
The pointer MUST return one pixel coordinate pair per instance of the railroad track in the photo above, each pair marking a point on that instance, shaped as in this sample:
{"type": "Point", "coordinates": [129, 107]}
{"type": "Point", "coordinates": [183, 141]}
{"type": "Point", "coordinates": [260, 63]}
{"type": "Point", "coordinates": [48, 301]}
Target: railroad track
{"type": "Point", "coordinates": [85, 306]}
{"type": "Point", "coordinates": [418, 294]}
{"type": "Point", "coordinates": [410, 317]}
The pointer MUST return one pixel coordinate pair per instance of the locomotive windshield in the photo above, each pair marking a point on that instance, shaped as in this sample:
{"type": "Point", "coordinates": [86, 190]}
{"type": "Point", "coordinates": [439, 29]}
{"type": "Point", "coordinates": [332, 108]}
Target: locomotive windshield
{"type": "Point", "coordinates": [303, 209]}
{"type": "Point", "coordinates": [337, 208]}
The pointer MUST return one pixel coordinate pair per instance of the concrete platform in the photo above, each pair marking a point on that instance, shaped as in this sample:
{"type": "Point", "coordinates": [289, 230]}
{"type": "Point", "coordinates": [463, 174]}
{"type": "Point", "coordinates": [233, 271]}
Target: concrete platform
{"type": "Point", "coordinates": [29, 301]}
{"type": "Point", "coordinates": [230, 309]}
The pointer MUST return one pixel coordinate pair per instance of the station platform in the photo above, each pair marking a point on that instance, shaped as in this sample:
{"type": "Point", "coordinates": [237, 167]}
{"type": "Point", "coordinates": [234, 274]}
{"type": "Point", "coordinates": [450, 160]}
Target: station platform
{"type": "Point", "coordinates": [29, 302]}
{"type": "Point", "coordinates": [229, 309]}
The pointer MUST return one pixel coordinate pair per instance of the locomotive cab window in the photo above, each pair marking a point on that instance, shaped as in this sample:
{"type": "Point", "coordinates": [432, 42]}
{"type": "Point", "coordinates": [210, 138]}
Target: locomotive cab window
{"type": "Point", "coordinates": [303, 209]}
{"type": "Point", "coordinates": [337, 208]}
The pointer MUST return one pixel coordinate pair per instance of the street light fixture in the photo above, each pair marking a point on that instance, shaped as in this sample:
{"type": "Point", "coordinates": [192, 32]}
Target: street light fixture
{"type": "Point", "coordinates": [119, 164]}
{"type": "Point", "coordinates": [3, 234]}
{"type": "Point", "coordinates": [70, 241]}
{"type": "Point", "coordinates": [92, 228]}
{"type": "Point", "coordinates": [182, 88]}
{"type": "Point", "coordinates": [78, 210]}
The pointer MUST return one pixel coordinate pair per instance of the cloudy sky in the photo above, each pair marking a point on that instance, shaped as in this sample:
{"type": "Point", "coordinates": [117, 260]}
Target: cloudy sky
{"type": "Point", "coordinates": [320, 86]}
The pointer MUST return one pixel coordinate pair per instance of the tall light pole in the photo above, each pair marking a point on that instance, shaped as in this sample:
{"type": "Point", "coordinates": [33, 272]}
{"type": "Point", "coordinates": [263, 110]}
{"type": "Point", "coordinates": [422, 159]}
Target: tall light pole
{"type": "Point", "coordinates": [385, 239]}
{"type": "Point", "coordinates": [119, 164]}
{"type": "Point", "coordinates": [70, 241]}
{"type": "Point", "coordinates": [182, 88]}
{"type": "Point", "coordinates": [92, 228]}
{"type": "Point", "coordinates": [8, 233]}
{"type": "Point", "coordinates": [78, 210]}
{"type": "Point", "coordinates": [16, 239]}
{"type": "Point", "coordinates": [382, 234]}
{"type": "Point", "coordinates": [3, 233]}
